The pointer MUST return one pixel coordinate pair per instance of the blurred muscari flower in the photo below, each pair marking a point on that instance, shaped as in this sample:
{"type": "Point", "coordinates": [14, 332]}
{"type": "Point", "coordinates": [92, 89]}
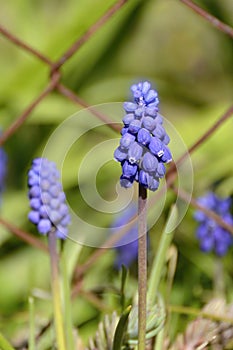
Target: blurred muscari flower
{"type": "Point", "coordinates": [213, 237]}
{"type": "Point", "coordinates": [3, 169]}
{"type": "Point", "coordinates": [143, 146]}
{"type": "Point", "coordinates": [127, 245]}
{"type": "Point", "coordinates": [47, 199]}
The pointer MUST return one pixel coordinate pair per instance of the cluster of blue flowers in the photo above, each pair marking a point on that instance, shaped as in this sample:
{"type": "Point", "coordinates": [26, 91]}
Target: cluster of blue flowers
{"type": "Point", "coordinates": [47, 199]}
{"type": "Point", "coordinates": [213, 237]}
{"type": "Point", "coordinates": [143, 146]}
{"type": "Point", "coordinates": [3, 168]}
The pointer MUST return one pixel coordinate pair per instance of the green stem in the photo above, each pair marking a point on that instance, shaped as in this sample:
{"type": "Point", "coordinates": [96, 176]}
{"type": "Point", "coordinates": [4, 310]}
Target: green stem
{"type": "Point", "coordinates": [56, 290]}
{"type": "Point", "coordinates": [218, 281]}
{"type": "Point", "coordinates": [31, 323]}
{"type": "Point", "coordinates": [142, 266]}
{"type": "Point", "coordinates": [158, 263]}
{"type": "Point", "coordinates": [4, 344]}
{"type": "Point", "coordinates": [159, 340]}
{"type": "Point", "coordinates": [67, 302]}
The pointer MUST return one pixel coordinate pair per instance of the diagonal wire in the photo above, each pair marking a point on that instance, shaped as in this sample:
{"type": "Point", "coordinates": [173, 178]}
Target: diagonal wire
{"type": "Point", "coordinates": [89, 33]}
{"type": "Point", "coordinates": [25, 236]}
{"type": "Point", "coordinates": [72, 50]}
{"type": "Point", "coordinates": [211, 214]}
{"type": "Point", "coordinates": [76, 99]}
{"type": "Point", "coordinates": [22, 118]}
{"type": "Point", "coordinates": [20, 43]}
{"type": "Point", "coordinates": [201, 140]}
{"type": "Point", "coordinates": [223, 27]}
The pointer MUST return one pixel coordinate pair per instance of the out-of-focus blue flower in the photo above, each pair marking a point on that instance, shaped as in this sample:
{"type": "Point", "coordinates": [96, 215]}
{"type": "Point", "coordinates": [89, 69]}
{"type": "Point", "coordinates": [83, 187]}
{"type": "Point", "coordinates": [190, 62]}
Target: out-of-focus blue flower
{"type": "Point", "coordinates": [3, 169]}
{"type": "Point", "coordinates": [213, 237]}
{"type": "Point", "coordinates": [126, 252]}
{"type": "Point", "coordinates": [47, 199]}
{"type": "Point", "coordinates": [144, 140]}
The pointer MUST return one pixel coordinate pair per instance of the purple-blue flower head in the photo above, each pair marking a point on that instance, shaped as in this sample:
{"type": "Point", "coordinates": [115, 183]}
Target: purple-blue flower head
{"type": "Point", "coordinates": [144, 140]}
{"type": "Point", "coordinates": [3, 168]}
{"type": "Point", "coordinates": [47, 199]}
{"type": "Point", "coordinates": [213, 237]}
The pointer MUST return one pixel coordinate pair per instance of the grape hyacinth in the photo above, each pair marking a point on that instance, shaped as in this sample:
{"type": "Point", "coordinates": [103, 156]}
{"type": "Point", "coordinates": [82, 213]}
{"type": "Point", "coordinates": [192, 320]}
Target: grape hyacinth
{"type": "Point", "coordinates": [47, 199]}
{"type": "Point", "coordinates": [143, 147]}
{"type": "Point", "coordinates": [213, 237]}
{"type": "Point", "coordinates": [3, 169]}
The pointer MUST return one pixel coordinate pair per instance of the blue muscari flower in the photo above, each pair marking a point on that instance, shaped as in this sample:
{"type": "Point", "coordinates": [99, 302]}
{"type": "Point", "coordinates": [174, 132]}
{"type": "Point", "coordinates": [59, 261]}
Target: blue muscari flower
{"type": "Point", "coordinates": [47, 199]}
{"type": "Point", "coordinates": [3, 169]}
{"type": "Point", "coordinates": [126, 253]}
{"type": "Point", "coordinates": [211, 236]}
{"type": "Point", "coordinates": [144, 140]}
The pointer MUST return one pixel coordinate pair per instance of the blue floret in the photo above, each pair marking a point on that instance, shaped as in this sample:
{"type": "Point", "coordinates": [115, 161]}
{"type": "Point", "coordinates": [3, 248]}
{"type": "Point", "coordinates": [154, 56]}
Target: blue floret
{"type": "Point", "coordinates": [213, 237]}
{"type": "Point", "coordinates": [47, 199]}
{"type": "Point", "coordinates": [3, 169]}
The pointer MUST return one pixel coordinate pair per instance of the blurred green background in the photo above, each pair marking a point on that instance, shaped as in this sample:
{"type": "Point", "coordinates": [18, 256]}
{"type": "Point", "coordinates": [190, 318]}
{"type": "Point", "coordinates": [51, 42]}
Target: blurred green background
{"type": "Point", "coordinates": [190, 64]}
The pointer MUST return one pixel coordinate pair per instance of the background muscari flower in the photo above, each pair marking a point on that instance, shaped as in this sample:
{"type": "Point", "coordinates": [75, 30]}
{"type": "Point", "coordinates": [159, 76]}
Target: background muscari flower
{"type": "Point", "coordinates": [3, 169]}
{"type": "Point", "coordinates": [47, 199]}
{"type": "Point", "coordinates": [213, 237]}
{"type": "Point", "coordinates": [126, 253]}
{"type": "Point", "coordinates": [143, 147]}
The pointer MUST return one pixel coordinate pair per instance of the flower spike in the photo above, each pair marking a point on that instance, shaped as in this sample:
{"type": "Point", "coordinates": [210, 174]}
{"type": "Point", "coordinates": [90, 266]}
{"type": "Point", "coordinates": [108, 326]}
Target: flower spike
{"type": "Point", "coordinates": [47, 199]}
{"type": "Point", "coordinates": [143, 146]}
